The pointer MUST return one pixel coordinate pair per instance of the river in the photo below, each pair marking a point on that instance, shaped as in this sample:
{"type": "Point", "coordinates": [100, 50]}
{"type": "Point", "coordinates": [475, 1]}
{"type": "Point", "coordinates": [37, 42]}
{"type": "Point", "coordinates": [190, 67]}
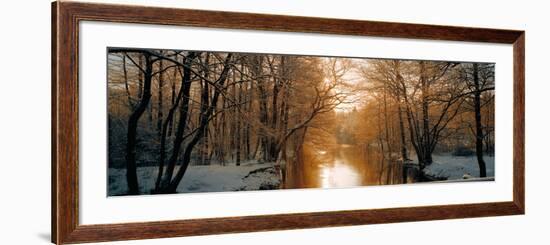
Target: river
{"type": "Point", "coordinates": [341, 165]}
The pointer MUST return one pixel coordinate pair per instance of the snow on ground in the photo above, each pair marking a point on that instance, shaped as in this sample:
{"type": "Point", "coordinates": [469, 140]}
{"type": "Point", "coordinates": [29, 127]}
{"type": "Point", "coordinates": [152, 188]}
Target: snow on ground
{"type": "Point", "coordinates": [265, 178]}
{"type": "Point", "coordinates": [458, 167]}
{"type": "Point", "coordinates": [204, 178]}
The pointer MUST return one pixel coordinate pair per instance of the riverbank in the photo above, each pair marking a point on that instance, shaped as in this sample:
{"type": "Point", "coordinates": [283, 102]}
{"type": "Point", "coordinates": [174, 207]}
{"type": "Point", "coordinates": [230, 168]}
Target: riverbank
{"type": "Point", "coordinates": [204, 178]}
{"type": "Point", "coordinates": [449, 167]}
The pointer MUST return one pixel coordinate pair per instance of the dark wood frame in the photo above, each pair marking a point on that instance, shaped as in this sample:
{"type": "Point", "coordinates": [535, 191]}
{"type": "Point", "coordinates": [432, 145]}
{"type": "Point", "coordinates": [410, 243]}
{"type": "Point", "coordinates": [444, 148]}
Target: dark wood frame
{"type": "Point", "coordinates": [65, 136]}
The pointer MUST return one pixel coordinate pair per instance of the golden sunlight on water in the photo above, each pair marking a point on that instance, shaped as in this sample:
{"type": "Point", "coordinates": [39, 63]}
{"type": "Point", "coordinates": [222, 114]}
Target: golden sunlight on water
{"type": "Point", "coordinates": [338, 174]}
{"type": "Point", "coordinates": [335, 166]}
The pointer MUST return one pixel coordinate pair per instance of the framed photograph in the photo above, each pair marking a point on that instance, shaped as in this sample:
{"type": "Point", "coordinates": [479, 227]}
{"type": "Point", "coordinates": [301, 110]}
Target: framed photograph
{"type": "Point", "coordinates": [175, 122]}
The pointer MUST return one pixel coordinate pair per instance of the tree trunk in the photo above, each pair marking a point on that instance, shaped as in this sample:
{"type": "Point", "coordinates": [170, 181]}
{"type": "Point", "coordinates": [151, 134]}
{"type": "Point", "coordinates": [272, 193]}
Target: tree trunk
{"type": "Point", "coordinates": [248, 135]}
{"type": "Point", "coordinates": [182, 123]}
{"type": "Point", "coordinates": [206, 112]}
{"type": "Point", "coordinates": [223, 136]}
{"type": "Point", "coordinates": [413, 130]}
{"type": "Point", "coordinates": [263, 116]}
{"type": "Point", "coordinates": [426, 139]}
{"type": "Point", "coordinates": [126, 86]}
{"type": "Point", "coordinates": [283, 118]}
{"type": "Point", "coordinates": [159, 104]}
{"type": "Point", "coordinates": [131, 168]}
{"type": "Point", "coordinates": [386, 123]}
{"type": "Point", "coordinates": [479, 126]}
{"type": "Point", "coordinates": [233, 115]}
{"type": "Point", "coordinates": [403, 142]}
{"type": "Point", "coordinates": [238, 127]}
{"type": "Point", "coordinates": [167, 123]}
{"type": "Point", "coordinates": [173, 99]}
{"type": "Point", "coordinates": [273, 151]}
{"type": "Point", "coordinates": [205, 160]}
{"type": "Point", "coordinates": [380, 144]}
{"type": "Point", "coordinates": [238, 118]}
{"type": "Point", "coordinates": [204, 146]}
{"type": "Point", "coordinates": [140, 77]}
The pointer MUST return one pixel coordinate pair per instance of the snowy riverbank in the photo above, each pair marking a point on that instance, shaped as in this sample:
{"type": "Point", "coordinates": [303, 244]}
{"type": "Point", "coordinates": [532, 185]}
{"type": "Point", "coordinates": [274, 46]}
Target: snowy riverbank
{"type": "Point", "coordinates": [457, 167]}
{"type": "Point", "coordinates": [207, 178]}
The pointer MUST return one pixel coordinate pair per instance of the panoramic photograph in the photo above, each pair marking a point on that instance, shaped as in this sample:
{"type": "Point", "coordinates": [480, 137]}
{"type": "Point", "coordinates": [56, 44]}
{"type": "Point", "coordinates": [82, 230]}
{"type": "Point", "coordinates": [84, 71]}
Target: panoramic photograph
{"type": "Point", "coordinates": [187, 121]}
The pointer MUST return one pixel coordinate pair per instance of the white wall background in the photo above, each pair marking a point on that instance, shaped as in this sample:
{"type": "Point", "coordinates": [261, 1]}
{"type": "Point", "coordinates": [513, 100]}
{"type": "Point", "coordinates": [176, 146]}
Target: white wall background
{"type": "Point", "coordinates": [25, 121]}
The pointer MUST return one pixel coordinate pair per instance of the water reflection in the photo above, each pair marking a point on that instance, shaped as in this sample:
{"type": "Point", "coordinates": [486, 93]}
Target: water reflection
{"type": "Point", "coordinates": [336, 166]}
{"type": "Point", "coordinates": [337, 174]}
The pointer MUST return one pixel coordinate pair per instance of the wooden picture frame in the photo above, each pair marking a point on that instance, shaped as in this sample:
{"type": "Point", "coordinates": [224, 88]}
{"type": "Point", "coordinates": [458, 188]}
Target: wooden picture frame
{"type": "Point", "coordinates": [65, 121]}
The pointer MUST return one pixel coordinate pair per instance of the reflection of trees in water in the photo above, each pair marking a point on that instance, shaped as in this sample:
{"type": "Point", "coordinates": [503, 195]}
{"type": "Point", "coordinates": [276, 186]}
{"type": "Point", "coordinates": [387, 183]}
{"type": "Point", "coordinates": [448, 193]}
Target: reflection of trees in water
{"type": "Point", "coordinates": [341, 165]}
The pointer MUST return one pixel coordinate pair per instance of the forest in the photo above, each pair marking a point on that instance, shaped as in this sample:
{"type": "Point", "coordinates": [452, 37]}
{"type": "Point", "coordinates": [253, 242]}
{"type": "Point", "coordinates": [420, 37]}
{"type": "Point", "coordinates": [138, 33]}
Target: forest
{"type": "Point", "coordinates": [199, 121]}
